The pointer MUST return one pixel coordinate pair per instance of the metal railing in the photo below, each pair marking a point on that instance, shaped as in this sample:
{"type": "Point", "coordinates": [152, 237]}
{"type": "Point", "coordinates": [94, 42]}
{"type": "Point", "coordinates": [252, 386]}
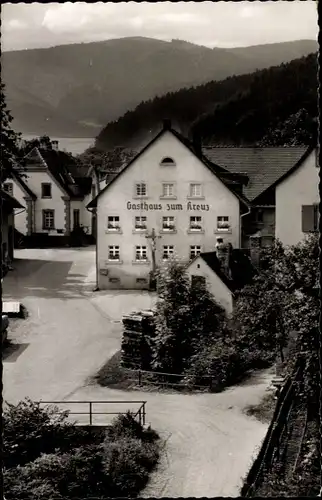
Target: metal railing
{"type": "Point", "coordinates": [165, 379]}
{"type": "Point", "coordinates": [139, 414]}
{"type": "Point", "coordinates": [273, 442]}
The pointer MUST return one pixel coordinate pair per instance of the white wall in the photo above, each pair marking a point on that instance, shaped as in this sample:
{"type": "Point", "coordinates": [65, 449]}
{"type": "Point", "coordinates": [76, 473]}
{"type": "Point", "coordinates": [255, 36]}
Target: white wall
{"type": "Point", "coordinates": [219, 290]}
{"type": "Point", "coordinates": [34, 181]}
{"type": "Point", "coordinates": [299, 188]}
{"type": "Point", "coordinates": [219, 200]}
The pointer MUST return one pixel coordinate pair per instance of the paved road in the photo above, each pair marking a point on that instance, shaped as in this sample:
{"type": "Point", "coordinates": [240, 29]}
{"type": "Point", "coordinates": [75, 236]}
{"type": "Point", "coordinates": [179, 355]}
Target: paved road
{"type": "Point", "coordinates": [67, 336]}
{"type": "Point", "coordinates": [71, 332]}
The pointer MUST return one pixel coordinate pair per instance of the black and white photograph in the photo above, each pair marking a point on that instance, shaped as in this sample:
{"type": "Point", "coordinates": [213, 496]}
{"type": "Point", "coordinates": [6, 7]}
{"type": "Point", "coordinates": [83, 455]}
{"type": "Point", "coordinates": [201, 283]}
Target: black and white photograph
{"type": "Point", "coordinates": [160, 276]}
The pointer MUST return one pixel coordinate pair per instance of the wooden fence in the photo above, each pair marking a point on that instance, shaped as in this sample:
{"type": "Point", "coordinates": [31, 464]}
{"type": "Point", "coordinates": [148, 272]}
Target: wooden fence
{"type": "Point", "coordinates": [273, 446]}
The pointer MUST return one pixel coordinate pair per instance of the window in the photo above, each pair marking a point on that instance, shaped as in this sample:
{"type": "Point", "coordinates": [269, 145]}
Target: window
{"type": "Point", "coordinates": [194, 251]}
{"type": "Point", "coordinates": [195, 223]}
{"type": "Point", "coordinates": [198, 281]}
{"type": "Point", "coordinates": [114, 280]}
{"type": "Point", "coordinates": [76, 217]}
{"type": "Point", "coordinates": [48, 219]}
{"type": "Point", "coordinates": [140, 189]}
{"type": "Point", "coordinates": [168, 224]}
{"type": "Point", "coordinates": [141, 253]}
{"type": "Point", "coordinates": [168, 162]}
{"type": "Point", "coordinates": [168, 250]}
{"type": "Point", "coordinates": [223, 223]}
{"type": "Point", "coordinates": [46, 190]}
{"type": "Point", "coordinates": [195, 191]}
{"type": "Point", "coordinates": [140, 223]}
{"type": "Point", "coordinates": [114, 252]}
{"type": "Point", "coordinates": [113, 223]}
{"type": "Point", "coordinates": [141, 280]}
{"type": "Point", "coordinates": [8, 188]}
{"type": "Point", "coordinates": [310, 218]}
{"type": "Point", "coordinates": [167, 189]}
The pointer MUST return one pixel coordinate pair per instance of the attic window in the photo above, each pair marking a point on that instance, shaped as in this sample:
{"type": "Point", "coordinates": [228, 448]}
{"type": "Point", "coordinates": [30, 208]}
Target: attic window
{"type": "Point", "coordinates": [168, 162]}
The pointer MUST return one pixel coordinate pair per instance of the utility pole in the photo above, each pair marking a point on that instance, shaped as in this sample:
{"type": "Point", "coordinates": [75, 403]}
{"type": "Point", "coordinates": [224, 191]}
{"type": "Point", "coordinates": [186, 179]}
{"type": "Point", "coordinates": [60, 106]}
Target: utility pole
{"type": "Point", "coordinates": [153, 237]}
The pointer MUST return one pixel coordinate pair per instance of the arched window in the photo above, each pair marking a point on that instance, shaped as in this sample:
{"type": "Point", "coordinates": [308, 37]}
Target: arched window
{"type": "Point", "coordinates": [168, 162]}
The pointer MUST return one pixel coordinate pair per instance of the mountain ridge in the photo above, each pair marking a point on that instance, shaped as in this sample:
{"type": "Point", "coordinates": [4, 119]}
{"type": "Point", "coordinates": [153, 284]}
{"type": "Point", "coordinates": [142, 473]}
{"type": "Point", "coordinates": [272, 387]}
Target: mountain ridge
{"type": "Point", "coordinates": [74, 82]}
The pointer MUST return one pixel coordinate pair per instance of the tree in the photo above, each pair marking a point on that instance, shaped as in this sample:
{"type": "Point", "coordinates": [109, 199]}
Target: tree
{"type": "Point", "coordinates": [187, 318]}
{"type": "Point", "coordinates": [284, 298]}
{"type": "Point", "coordinates": [10, 147]}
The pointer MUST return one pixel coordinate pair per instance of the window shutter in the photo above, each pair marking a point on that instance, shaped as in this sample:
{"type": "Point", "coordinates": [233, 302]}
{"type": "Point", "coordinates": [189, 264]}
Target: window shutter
{"type": "Point", "coordinates": [307, 218]}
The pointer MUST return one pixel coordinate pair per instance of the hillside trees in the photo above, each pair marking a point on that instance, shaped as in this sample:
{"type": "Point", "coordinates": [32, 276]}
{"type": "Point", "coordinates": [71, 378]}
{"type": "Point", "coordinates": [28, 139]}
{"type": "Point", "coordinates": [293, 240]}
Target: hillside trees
{"type": "Point", "coordinates": [10, 146]}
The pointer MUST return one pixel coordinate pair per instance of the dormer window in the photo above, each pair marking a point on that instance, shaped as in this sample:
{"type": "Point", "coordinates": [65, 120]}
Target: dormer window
{"type": "Point", "coordinates": [167, 162]}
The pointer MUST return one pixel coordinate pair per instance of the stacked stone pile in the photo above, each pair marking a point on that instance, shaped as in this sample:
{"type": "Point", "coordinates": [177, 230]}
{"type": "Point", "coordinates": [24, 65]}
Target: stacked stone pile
{"type": "Point", "coordinates": [138, 334]}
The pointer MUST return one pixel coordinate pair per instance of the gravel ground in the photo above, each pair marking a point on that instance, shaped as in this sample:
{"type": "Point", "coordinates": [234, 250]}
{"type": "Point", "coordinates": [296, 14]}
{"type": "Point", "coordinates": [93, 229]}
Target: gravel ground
{"type": "Point", "coordinates": [71, 332]}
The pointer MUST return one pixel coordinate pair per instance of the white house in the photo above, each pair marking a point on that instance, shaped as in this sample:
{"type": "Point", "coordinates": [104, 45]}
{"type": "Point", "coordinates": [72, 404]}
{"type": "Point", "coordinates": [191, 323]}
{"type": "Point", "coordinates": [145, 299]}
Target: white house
{"type": "Point", "coordinates": [168, 200]}
{"type": "Point", "coordinates": [54, 191]}
{"type": "Point", "coordinates": [297, 201]}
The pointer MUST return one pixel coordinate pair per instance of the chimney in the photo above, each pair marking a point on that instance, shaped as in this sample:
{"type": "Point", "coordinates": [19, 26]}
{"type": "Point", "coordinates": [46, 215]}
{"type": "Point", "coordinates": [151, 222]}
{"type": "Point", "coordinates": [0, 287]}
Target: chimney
{"type": "Point", "coordinates": [54, 145]}
{"type": "Point", "coordinates": [166, 124]}
{"type": "Point", "coordinates": [223, 252]}
{"type": "Point", "coordinates": [255, 244]}
{"type": "Point", "coordinates": [196, 141]}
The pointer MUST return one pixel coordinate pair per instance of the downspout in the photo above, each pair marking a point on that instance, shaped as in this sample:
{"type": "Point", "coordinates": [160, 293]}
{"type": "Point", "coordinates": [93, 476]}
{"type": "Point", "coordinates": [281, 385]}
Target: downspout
{"type": "Point", "coordinates": [94, 211]}
{"type": "Point", "coordinates": [240, 225]}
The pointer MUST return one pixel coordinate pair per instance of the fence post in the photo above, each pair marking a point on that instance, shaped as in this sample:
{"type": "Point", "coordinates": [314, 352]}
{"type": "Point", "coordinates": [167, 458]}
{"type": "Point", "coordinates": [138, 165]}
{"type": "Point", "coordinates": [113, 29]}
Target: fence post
{"type": "Point", "coordinates": [210, 384]}
{"type": "Point", "coordinates": [90, 413]}
{"type": "Point", "coordinates": [143, 414]}
{"type": "Point", "coordinates": [139, 377]}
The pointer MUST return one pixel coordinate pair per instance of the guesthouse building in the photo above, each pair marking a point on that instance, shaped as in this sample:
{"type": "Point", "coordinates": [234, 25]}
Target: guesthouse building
{"type": "Point", "coordinates": [168, 200]}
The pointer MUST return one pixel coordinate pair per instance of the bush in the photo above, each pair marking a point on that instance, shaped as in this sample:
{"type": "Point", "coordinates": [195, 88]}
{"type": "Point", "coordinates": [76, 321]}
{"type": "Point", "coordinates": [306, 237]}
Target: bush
{"type": "Point", "coordinates": [127, 462]}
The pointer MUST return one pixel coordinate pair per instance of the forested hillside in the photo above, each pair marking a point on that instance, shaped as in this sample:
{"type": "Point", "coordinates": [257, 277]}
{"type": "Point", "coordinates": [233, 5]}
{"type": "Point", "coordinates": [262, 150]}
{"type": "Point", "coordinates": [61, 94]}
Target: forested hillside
{"type": "Point", "coordinates": [74, 90]}
{"type": "Point", "coordinates": [275, 106]}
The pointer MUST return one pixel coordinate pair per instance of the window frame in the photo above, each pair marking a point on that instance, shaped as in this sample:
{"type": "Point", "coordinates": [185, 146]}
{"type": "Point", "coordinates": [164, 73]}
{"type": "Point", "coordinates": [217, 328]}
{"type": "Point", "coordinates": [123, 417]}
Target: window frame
{"type": "Point", "coordinates": [169, 253]}
{"type": "Point", "coordinates": [143, 249]}
{"type": "Point", "coordinates": [195, 196]}
{"type": "Point", "coordinates": [173, 226]}
{"type": "Point", "coordinates": [137, 194]}
{"type": "Point", "coordinates": [226, 227]}
{"type": "Point", "coordinates": [167, 161]}
{"type": "Point", "coordinates": [140, 229]}
{"type": "Point", "coordinates": [45, 212]}
{"type": "Point", "coordinates": [46, 185]}
{"type": "Point", "coordinates": [168, 196]}
{"type": "Point", "coordinates": [113, 253]}
{"type": "Point", "coordinates": [191, 228]}
{"type": "Point", "coordinates": [113, 229]}
{"type": "Point", "coordinates": [196, 254]}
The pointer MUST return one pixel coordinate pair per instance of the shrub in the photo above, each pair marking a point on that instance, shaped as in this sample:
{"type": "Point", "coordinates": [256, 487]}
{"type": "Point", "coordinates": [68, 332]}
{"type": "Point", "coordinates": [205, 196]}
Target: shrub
{"type": "Point", "coordinates": [127, 462]}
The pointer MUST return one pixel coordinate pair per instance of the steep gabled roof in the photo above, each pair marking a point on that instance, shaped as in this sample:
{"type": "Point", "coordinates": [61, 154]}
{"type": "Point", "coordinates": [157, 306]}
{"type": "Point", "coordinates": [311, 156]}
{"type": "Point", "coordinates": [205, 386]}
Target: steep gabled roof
{"type": "Point", "coordinates": [66, 171]}
{"type": "Point", "coordinates": [24, 186]}
{"type": "Point", "coordinates": [263, 166]}
{"type": "Point", "coordinates": [224, 175]}
{"type": "Point", "coordinates": [211, 259]}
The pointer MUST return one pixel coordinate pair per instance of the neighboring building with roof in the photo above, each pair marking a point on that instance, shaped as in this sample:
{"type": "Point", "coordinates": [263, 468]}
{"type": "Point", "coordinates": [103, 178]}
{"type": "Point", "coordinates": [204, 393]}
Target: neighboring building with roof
{"type": "Point", "coordinates": [55, 192]}
{"type": "Point", "coordinates": [168, 200]}
{"type": "Point", "coordinates": [263, 167]}
{"type": "Point", "coordinates": [222, 277]}
{"type": "Point", "coordinates": [297, 201]}
{"type": "Point", "coordinates": [9, 207]}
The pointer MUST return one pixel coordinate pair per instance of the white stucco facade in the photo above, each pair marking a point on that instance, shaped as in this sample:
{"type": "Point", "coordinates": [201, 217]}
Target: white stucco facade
{"type": "Point", "coordinates": [221, 293]}
{"type": "Point", "coordinates": [298, 189]}
{"type": "Point", "coordinates": [120, 200]}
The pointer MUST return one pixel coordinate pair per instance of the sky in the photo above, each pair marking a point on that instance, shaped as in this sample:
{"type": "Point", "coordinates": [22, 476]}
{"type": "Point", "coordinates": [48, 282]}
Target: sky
{"type": "Point", "coordinates": [213, 24]}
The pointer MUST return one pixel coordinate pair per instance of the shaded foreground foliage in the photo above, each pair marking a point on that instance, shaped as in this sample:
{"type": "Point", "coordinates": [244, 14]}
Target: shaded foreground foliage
{"type": "Point", "coordinates": [45, 456]}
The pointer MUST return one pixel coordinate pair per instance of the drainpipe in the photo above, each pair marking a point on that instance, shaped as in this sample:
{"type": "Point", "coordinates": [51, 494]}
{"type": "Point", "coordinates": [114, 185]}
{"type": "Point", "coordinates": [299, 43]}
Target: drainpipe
{"type": "Point", "coordinates": [240, 225]}
{"type": "Point", "coordinates": [94, 211]}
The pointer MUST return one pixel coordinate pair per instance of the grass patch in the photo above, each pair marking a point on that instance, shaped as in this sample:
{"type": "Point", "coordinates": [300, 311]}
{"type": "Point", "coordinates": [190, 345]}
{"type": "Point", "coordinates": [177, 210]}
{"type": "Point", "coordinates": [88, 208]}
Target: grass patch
{"type": "Point", "coordinates": [112, 374]}
{"type": "Point", "coordinates": [264, 411]}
